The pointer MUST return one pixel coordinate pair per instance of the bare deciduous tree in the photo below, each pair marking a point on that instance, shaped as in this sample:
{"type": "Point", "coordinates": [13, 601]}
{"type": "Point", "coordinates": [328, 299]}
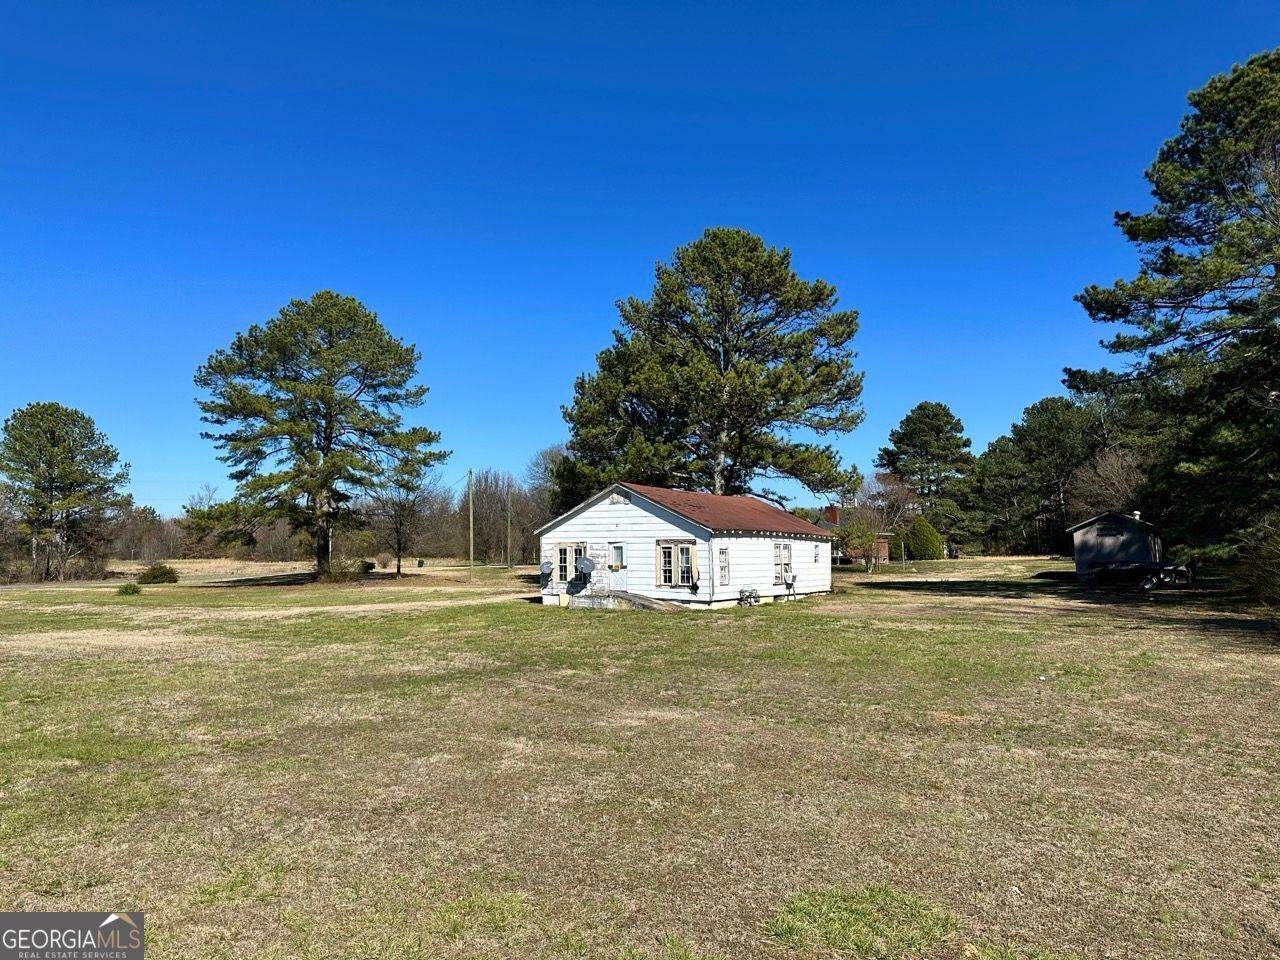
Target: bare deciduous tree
{"type": "Point", "coordinates": [1109, 480]}
{"type": "Point", "coordinates": [398, 512]}
{"type": "Point", "coordinates": [885, 503]}
{"type": "Point", "coordinates": [540, 478]}
{"type": "Point", "coordinates": [142, 534]}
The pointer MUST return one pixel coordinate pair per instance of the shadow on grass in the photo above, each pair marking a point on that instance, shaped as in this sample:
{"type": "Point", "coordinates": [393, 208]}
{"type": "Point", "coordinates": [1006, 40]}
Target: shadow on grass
{"type": "Point", "coordinates": [306, 577]}
{"type": "Point", "coordinates": [273, 580]}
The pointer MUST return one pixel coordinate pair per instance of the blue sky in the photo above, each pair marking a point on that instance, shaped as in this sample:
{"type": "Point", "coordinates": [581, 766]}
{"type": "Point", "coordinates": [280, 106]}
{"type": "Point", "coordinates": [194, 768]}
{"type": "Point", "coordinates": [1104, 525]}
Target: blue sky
{"type": "Point", "coordinates": [491, 177]}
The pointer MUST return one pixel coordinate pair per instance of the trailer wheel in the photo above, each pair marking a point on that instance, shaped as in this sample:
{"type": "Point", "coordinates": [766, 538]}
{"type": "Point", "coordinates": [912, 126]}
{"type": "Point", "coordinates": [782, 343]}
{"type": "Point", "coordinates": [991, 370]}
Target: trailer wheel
{"type": "Point", "coordinates": [1149, 583]}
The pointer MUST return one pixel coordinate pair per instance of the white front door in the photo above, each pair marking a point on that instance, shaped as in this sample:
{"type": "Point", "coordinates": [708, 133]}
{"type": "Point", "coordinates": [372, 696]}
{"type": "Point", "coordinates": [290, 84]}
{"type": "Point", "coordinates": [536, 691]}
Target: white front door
{"type": "Point", "coordinates": [617, 566]}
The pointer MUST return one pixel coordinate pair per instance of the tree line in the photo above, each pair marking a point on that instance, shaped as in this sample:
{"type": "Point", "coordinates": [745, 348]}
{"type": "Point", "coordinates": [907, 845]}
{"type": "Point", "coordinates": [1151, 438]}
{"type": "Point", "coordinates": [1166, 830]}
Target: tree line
{"type": "Point", "coordinates": [46, 538]}
{"type": "Point", "coordinates": [736, 373]}
{"type": "Point", "coordinates": [307, 412]}
{"type": "Point", "coordinates": [1064, 461]}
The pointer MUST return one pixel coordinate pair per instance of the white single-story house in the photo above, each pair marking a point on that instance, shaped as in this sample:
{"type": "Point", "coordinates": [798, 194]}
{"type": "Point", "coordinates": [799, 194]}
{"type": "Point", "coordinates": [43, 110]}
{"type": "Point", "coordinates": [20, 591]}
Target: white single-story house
{"type": "Point", "coordinates": [698, 549]}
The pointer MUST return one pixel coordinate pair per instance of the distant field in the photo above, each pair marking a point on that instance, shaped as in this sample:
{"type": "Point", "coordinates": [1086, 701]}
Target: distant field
{"type": "Point", "coordinates": [968, 759]}
{"type": "Point", "coordinates": [215, 570]}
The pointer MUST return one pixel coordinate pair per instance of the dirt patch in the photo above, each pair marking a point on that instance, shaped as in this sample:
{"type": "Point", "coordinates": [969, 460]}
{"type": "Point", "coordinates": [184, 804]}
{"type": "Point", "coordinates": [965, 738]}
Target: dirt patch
{"type": "Point", "coordinates": [338, 610]}
{"type": "Point", "coordinates": [643, 718]}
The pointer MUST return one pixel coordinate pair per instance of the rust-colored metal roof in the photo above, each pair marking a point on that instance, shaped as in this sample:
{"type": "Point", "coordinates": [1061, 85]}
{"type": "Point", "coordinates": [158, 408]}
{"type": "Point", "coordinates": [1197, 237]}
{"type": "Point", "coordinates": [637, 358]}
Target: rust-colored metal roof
{"type": "Point", "coordinates": [722, 514]}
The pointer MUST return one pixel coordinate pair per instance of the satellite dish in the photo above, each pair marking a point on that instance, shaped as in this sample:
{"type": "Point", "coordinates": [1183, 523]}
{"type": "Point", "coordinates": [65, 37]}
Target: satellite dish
{"type": "Point", "coordinates": [546, 566]}
{"type": "Point", "coordinates": [584, 565]}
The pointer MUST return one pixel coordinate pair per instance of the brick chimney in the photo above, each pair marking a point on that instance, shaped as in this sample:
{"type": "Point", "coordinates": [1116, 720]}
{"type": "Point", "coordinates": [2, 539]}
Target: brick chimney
{"type": "Point", "coordinates": [831, 513]}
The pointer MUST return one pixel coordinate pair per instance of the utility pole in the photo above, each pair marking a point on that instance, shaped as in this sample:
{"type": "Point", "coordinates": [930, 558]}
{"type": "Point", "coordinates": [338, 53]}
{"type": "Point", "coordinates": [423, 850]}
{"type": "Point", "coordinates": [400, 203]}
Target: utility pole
{"type": "Point", "coordinates": [508, 524]}
{"type": "Point", "coordinates": [471, 530]}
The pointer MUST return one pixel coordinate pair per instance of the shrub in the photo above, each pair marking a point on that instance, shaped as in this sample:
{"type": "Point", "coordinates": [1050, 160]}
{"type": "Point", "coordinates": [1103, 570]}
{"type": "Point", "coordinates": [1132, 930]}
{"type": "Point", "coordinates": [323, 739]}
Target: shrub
{"type": "Point", "coordinates": [339, 575]}
{"type": "Point", "coordinates": [347, 570]}
{"type": "Point", "coordinates": [921, 540]}
{"type": "Point", "coordinates": [925, 542]}
{"type": "Point", "coordinates": [158, 573]}
{"type": "Point", "coordinates": [857, 536]}
{"type": "Point", "coordinates": [129, 590]}
{"type": "Point", "coordinates": [384, 560]}
{"type": "Point", "coordinates": [1259, 565]}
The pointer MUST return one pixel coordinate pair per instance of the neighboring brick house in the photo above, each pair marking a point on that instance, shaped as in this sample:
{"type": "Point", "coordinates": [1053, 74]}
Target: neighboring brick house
{"type": "Point", "coordinates": [831, 519]}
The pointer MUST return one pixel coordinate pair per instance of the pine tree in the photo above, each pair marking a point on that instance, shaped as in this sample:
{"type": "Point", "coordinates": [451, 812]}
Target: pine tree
{"type": "Point", "coordinates": [709, 380]}
{"type": "Point", "coordinates": [64, 479]}
{"type": "Point", "coordinates": [312, 401]}
{"type": "Point", "coordinates": [1202, 317]}
{"type": "Point", "coordinates": [929, 452]}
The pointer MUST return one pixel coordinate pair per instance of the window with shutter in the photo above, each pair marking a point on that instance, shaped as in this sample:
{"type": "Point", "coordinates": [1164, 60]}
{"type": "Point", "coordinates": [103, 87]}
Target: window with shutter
{"type": "Point", "coordinates": [781, 562]}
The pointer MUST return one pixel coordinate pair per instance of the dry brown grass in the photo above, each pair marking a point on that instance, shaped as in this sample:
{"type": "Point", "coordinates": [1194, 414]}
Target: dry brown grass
{"type": "Point", "coordinates": [327, 772]}
{"type": "Point", "coordinates": [218, 568]}
{"type": "Point", "coordinates": [222, 569]}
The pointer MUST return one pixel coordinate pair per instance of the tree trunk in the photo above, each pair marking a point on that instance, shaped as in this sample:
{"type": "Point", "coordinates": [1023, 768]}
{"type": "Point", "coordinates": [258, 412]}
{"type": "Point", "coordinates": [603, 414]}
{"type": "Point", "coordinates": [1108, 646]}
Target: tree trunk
{"type": "Point", "coordinates": [398, 573]}
{"type": "Point", "coordinates": [717, 482]}
{"type": "Point", "coordinates": [323, 542]}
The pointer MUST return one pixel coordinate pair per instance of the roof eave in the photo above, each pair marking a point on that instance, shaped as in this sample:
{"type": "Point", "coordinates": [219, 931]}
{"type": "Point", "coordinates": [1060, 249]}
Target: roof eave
{"type": "Point", "coordinates": [1110, 513]}
{"type": "Point", "coordinates": [814, 534]}
{"type": "Point", "coordinates": [595, 498]}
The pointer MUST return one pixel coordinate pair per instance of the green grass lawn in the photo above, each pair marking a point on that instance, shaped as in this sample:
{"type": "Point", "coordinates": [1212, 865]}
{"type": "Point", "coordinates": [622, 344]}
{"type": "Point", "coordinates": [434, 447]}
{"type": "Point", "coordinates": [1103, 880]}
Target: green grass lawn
{"type": "Point", "coordinates": [969, 759]}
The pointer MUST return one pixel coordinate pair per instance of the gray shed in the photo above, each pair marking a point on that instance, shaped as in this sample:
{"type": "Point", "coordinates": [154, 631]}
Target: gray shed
{"type": "Point", "coordinates": [1111, 539]}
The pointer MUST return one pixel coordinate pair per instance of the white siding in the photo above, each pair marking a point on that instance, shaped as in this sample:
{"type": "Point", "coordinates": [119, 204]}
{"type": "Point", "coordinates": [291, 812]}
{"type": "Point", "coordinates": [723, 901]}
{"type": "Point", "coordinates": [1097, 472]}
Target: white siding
{"type": "Point", "coordinates": [639, 525]}
{"type": "Point", "coordinates": [751, 565]}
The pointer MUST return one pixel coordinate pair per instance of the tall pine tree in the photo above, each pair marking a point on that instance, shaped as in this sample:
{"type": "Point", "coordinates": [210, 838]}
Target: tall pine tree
{"type": "Point", "coordinates": [1201, 319]}
{"type": "Point", "coordinates": [312, 404]}
{"type": "Point", "coordinates": [929, 452]}
{"type": "Point", "coordinates": [721, 379]}
{"type": "Point", "coordinates": [64, 479]}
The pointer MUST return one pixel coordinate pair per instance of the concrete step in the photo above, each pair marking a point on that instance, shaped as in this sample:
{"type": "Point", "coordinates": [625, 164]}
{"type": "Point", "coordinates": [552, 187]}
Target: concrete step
{"type": "Point", "coordinates": [621, 600]}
